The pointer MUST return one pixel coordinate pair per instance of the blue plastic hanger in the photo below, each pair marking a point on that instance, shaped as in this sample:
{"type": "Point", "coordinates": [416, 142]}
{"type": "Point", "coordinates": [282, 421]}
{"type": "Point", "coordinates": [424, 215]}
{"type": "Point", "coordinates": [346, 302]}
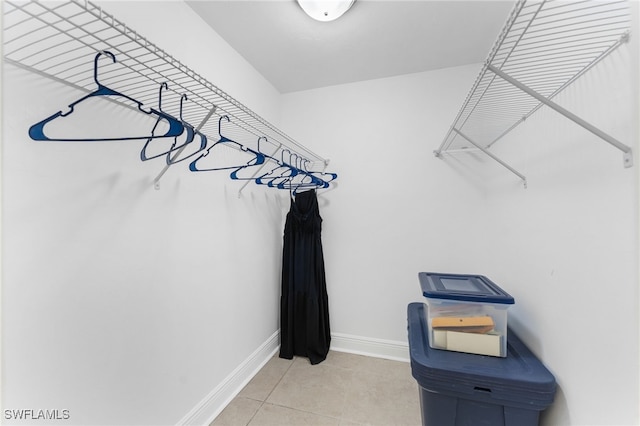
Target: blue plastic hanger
{"type": "Point", "coordinates": [174, 146]}
{"type": "Point", "coordinates": [234, 174]}
{"type": "Point", "coordinates": [291, 176]}
{"type": "Point", "coordinates": [285, 175]}
{"type": "Point", "coordinates": [258, 158]}
{"type": "Point", "coordinates": [198, 149]}
{"type": "Point", "coordinates": [294, 175]}
{"type": "Point", "coordinates": [36, 131]}
{"type": "Point", "coordinates": [301, 179]}
{"type": "Point", "coordinates": [324, 176]}
{"type": "Point", "coordinates": [281, 171]}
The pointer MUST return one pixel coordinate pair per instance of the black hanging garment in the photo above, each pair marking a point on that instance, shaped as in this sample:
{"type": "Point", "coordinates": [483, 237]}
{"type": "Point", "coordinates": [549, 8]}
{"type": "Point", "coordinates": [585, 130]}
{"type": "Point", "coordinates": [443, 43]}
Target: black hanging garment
{"type": "Point", "coordinates": [304, 304]}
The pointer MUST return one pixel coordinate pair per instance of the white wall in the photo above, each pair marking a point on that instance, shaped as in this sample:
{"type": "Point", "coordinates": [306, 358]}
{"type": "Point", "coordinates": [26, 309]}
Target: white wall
{"type": "Point", "coordinates": [121, 303]}
{"type": "Point", "coordinates": [128, 305]}
{"type": "Point", "coordinates": [391, 196]}
{"type": "Point", "coordinates": [566, 248]}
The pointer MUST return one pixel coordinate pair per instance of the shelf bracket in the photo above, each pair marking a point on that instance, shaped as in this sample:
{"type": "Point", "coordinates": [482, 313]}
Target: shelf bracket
{"type": "Point", "coordinates": [627, 153]}
{"type": "Point", "coordinates": [156, 181]}
{"type": "Point", "coordinates": [488, 153]}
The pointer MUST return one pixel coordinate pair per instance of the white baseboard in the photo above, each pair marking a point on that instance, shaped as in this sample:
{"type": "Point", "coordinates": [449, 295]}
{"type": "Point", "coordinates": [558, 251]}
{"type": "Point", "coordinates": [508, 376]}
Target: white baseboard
{"type": "Point", "coordinates": [208, 409]}
{"type": "Point", "coordinates": [379, 348]}
{"type": "Point", "coordinates": [213, 404]}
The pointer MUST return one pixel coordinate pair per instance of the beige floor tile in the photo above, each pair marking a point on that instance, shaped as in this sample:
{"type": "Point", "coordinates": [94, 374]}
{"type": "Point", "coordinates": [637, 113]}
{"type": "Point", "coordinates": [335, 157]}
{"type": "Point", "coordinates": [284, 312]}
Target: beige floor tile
{"type": "Point", "coordinates": [319, 389]}
{"type": "Point", "coordinates": [383, 398]}
{"type": "Point", "coordinates": [274, 415]}
{"type": "Point", "coordinates": [344, 390]}
{"type": "Point", "coordinates": [266, 380]}
{"type": "Point", "coordinates": [238, 413]}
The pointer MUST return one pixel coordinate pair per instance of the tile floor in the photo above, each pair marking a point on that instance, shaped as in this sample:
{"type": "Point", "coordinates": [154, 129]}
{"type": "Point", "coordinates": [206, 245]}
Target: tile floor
{"type": "Point", "coordinates": [343, 390]}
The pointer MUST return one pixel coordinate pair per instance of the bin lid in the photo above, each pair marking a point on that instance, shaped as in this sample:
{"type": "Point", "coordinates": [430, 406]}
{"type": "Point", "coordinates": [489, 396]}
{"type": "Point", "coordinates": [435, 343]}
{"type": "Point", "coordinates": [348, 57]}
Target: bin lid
{"type": "Point", "coordinates": [468, 288]}
{"type": "Point", "coordinates": [518, 380]}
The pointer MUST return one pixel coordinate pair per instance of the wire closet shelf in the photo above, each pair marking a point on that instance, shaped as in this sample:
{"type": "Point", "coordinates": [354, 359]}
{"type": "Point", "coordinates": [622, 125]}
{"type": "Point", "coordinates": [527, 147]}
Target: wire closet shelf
{"type": "Point", "coordinates": [60, 41]}
{"type": "Point", "coordinates": [544, 46]}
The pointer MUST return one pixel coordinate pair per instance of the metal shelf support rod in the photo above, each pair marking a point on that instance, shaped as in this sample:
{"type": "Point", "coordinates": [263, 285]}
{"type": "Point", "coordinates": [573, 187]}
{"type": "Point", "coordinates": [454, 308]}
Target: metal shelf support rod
{"type": "Point", "coordinates": [627, 158]}
{"type": "Point", "coordinates": [502, 163]}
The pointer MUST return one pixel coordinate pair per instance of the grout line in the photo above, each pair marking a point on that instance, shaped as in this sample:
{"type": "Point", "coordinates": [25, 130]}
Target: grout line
{"type": "Point", "coordinates": [254, 414]}
{"type": "Point", "coordinates": [280, 379]}
{"type": "Point", "coordinates": [309, 412]}
{"type": "Point", "coordinates": [270, 392]}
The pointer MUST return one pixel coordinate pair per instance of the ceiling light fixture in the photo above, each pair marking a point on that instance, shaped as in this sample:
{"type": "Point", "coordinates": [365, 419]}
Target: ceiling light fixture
{"type": "Point", "coordinates": [325, 10]}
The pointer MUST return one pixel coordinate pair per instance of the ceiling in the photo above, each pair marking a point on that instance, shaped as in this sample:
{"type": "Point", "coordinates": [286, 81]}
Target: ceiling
{"type": "Point", "coordinates": [375, 39]}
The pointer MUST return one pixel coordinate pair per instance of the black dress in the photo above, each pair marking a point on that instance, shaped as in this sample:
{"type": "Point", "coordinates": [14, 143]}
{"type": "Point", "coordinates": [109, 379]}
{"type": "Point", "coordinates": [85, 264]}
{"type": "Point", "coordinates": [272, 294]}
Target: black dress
{"type": "Point", "coordinates": [304, 304]}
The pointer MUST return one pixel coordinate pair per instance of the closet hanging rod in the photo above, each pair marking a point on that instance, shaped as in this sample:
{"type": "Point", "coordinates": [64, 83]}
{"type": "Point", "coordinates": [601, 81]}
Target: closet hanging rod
{"type": "Point", "coordinates": [59, 41]}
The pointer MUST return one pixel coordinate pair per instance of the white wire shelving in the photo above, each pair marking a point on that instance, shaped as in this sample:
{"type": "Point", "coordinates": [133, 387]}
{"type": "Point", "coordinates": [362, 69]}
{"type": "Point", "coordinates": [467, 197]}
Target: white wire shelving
{"type": "Point", "coordinates": [544, 46]}
{"type": "Point", "coordinates": [59, 40]}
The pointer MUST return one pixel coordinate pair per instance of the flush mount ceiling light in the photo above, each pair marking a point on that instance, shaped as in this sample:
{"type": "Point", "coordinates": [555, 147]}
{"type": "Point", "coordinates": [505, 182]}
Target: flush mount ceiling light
{"type": "Point", "coordinates": [325, 10]}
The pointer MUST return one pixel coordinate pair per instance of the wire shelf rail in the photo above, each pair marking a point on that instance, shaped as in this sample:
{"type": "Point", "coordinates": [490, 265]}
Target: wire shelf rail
{"type": "Point", "coordinates": [544, 46]}
{"type": "Point", "coordinates": [60, 40]}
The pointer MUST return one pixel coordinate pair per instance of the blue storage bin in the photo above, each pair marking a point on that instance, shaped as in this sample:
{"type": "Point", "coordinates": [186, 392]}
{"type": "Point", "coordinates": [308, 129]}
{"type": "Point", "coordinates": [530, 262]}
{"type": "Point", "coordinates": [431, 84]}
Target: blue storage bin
{"type": "Point", "coordinates": [459, 389]}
